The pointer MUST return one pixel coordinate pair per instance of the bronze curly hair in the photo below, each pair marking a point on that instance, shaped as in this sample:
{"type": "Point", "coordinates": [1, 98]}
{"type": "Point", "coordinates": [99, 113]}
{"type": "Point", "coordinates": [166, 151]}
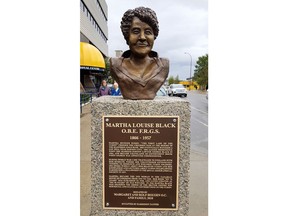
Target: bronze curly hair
{"type": "Point", "coordinates": [146, 15]}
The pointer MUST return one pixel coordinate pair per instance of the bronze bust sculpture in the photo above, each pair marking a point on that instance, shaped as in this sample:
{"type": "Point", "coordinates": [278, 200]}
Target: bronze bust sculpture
{"type": "Point", "coordinates": [139, 71]}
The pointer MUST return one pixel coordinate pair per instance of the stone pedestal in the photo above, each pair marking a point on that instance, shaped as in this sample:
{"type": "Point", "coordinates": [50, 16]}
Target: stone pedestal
{"type": "Point", "coordinates": [160, 106]}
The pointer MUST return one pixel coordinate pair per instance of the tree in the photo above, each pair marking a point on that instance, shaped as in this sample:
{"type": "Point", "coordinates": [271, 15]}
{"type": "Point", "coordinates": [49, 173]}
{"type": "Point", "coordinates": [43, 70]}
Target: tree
{"type": "Point", "coordinates": [106, 72]}
{"type": "Point", "coordinates": [171, 80]}
{"type": "Point", "coordinates": [176, 81]}
{"type": "Point", "coordinates": [201, 71]}
{"type": "Point", "coordinates": [107, 67]}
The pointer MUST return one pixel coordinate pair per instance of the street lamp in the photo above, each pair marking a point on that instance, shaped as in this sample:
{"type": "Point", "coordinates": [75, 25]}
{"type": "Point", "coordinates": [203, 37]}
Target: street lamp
{"type": "Point", "coordinates": [190, 68]}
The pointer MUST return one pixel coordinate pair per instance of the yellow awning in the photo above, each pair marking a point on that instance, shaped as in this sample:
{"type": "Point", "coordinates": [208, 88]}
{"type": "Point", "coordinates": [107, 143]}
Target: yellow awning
{"type": "Point", "coordinates": [90, 57]}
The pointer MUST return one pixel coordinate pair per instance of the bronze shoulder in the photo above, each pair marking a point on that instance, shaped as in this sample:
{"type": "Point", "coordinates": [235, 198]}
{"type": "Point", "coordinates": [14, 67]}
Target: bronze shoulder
{"type": "Point", "coordinates": [115, 61]}
{"type": "Point", "coordinates": [165, 61]}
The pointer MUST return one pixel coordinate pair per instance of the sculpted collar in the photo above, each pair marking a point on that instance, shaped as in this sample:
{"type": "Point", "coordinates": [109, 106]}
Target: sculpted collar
{"type": "Point", "coordinates": [144, 80]}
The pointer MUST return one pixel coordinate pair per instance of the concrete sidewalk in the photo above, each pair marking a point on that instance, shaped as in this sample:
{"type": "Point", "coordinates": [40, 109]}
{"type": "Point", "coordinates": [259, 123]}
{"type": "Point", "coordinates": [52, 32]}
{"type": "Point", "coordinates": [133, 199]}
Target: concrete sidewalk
{"type": "Point", "coordinates": [198, 172]}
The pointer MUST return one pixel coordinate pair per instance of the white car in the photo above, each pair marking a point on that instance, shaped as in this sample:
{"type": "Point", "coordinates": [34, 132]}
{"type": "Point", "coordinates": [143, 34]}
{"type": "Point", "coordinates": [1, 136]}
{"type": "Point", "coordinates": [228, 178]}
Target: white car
{"type": "Point", "coordinates": [177, 89]}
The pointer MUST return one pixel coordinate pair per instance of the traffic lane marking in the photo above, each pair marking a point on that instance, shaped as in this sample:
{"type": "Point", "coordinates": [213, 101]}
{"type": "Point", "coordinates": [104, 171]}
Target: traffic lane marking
{"type": "Point", "coordinates": [200, 122]}
{"type": "Point", "coordinates": [199, 110]}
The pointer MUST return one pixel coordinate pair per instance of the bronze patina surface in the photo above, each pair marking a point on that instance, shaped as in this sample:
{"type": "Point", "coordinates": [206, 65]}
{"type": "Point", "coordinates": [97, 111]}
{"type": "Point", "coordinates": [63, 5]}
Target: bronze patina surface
{"type": "Point", "coordinates": [139, 71]}
{"type": "Point", "coordinates": [140, 162]}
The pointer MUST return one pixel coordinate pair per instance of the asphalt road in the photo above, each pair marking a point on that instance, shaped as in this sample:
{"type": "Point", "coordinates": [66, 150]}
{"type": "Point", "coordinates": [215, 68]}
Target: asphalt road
{"type": "Point", "coordinates": [199, 121]}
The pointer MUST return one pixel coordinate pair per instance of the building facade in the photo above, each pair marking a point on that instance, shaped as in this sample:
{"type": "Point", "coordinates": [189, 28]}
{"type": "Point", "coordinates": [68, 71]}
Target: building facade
{"type": "Point", "coordinates": [94, 24]}
{"type": "Point", "coordinates": [94, 31]}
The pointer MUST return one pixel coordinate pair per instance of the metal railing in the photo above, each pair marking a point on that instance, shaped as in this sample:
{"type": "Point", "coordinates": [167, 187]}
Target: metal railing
{"type": "Point", "coordinates": [85, 97]}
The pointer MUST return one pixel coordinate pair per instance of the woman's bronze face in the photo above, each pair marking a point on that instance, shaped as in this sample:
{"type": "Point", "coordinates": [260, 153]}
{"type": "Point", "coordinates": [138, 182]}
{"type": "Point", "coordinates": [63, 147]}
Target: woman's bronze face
{"type": "Point", "coordinates": [141, 38]}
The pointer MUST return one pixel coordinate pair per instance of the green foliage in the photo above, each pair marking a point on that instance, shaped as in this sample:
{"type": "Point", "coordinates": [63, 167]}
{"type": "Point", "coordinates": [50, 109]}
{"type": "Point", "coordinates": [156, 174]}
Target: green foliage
{"type": "Point", "coordinates": [172, 80]}
{"type": "Point", "coordinates": [201, 71]}
{"type": "Point", "coordinates": [176, 81]}
{"type": "Point", "coordinates": [107, 67]}
{"type": "Point", "coordinates": [106, 73]}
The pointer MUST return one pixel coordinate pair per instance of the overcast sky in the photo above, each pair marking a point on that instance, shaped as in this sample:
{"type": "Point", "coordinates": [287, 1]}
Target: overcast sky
{"type": "Point", "coordinates": [183, 27]}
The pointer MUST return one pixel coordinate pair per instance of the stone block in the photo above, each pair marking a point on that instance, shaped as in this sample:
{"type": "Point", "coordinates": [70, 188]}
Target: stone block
{"type": "Point", "coordinates": [160, 106]}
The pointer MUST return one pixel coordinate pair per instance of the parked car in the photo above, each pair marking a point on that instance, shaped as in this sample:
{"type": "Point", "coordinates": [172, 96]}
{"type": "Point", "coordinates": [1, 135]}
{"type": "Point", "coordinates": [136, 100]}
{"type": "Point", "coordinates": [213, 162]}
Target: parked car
{"type": "Point", "coordinates": [177, 89]}
{"type": "Point", "coordinates": [161, 92]}
{"type": "Point", "coordinates": [165, 88]}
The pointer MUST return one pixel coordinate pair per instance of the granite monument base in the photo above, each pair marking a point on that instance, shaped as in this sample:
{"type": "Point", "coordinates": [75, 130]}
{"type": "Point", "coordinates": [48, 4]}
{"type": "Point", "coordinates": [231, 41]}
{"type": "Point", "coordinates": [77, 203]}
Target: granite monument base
{"type": "Point", "coordinates": [160, 106]}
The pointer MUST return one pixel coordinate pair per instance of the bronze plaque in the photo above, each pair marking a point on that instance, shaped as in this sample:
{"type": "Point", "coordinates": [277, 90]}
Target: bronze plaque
{"type": "Point", "coordinates": [140, 162]}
